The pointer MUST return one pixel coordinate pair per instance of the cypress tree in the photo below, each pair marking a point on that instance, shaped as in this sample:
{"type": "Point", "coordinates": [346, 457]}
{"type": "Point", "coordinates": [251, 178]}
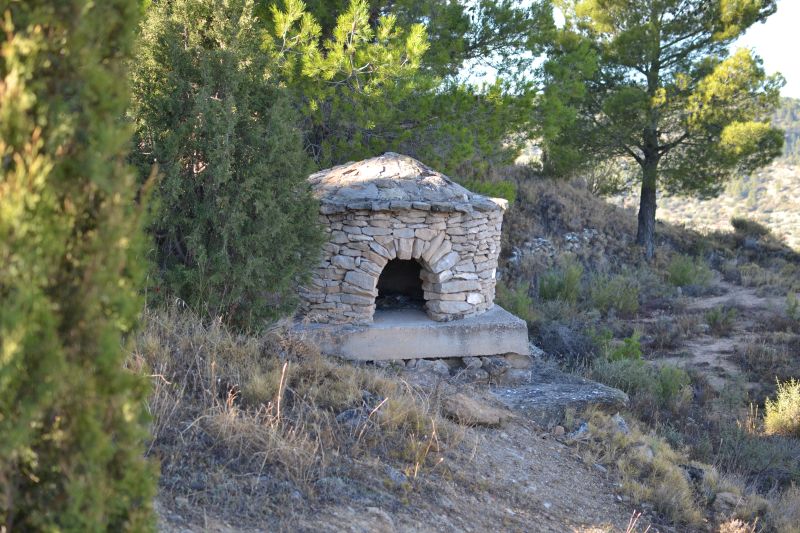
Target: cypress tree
{"type": "Point", "coordinates": [71, 418]}
{"type": "Point", "coordinates": [235, 224]}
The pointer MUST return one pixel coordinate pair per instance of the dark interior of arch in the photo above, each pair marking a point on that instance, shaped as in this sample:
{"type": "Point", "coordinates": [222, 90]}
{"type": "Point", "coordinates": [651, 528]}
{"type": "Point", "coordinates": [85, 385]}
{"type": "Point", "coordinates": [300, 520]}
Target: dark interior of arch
{"type": "Point", "coordinates": [399, 285]}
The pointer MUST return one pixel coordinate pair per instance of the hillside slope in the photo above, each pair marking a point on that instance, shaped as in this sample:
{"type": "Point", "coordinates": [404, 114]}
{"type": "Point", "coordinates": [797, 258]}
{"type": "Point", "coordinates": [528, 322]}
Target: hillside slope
{"type": "Point", "coordinates": [770, 196]}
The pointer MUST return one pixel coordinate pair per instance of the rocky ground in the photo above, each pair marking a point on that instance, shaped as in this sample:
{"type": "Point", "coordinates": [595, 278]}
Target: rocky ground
{"type": "Point", "coordinates": [507, 472]}
{"type": "Point", "coordinates": [513, 466]}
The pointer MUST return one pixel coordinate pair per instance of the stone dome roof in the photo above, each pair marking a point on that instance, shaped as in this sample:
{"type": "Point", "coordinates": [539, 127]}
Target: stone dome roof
{"type": "Point", "coordinates": [393, 182]}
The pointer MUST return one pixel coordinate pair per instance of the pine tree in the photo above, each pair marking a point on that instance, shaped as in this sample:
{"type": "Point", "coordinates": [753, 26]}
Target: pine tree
{"type": "Point", "coordinates": [653, 82]}
{"type": "Point", "coordinates": [72, 420]}
{"type": "Point", "coordinates": [234, 222]}
{"type": "Point", "coordinates": [374, 76]}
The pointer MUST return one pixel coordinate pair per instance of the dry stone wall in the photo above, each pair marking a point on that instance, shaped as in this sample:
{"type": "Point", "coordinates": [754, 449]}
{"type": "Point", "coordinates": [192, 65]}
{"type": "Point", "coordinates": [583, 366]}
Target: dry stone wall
{"type": "Point", "coordinates": [457, 250]}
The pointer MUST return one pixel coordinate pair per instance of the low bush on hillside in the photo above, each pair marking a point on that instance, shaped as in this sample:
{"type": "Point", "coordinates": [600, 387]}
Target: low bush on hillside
{"type": "Point", "coordinates": [720, 320]}
{"type": "Point", "coordinates": [785, 513]}
{"type": "Point", "coordinates": [793, 306]}
{"type": "Point", "coordinates": [562, 283]}
{"type": "Point", "coordinates": [688, 492]}
{"type": "Point", "coordinates": [685, 271]}
{"type": "Point", "coordinates": [749, 228]}
{"type": "Point", "coordinates": [652, 471]}
{"type": "Point", "coordinates": [516, 300]}
{"type": "Point", "coordinates": [770, 356]}
{"type": "Point", "coordinates": [664, 334]}
{"type": "Point", "coordinates": [650, 388]}
{"type": "Point", "coordinates": [619, 294]}
{"type": "Point", "coordinates": [754, 275]}
{"type": "Point", "coordinates": [667, 333]}
{"type": "Point", "coordinates": [268, 416]}
{"type": "Point", "coordinates": [610, 349]}
{"type": "Point", "coordinates": [766, 462]}
{"type": "Point", "coordinates": [782, 415]}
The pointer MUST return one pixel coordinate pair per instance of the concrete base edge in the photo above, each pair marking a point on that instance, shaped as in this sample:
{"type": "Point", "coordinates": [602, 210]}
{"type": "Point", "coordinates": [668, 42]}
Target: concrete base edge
{"type": "Point", "coordinates": [410, 334]}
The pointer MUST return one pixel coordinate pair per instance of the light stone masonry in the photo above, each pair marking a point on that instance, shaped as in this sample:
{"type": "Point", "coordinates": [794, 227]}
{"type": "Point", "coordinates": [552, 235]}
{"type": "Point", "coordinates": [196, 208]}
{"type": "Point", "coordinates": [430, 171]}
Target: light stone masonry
{"type": "Point", "coordinates": [393, 207]}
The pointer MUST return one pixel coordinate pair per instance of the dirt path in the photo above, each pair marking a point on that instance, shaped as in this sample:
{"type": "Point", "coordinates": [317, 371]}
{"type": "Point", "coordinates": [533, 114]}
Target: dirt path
{"type": "Point", "coordinates": [711, 355]}
{"type": "Point", "coordinates": [742, 298]}
{"type": "Point", "coordinates": [514, 478]}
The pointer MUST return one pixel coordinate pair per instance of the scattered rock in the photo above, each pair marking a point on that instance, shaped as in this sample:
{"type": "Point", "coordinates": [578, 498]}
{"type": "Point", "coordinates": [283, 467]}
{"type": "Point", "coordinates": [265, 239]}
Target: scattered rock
{"type": "Point", "coordinates": [495, 366]}
{"type": "Point", "coordinates": [551, 392]}
{"type": "Point", "coordinates": [472, 362]}
{"type": "Point", "coordinates": [536, 352]}
{"type": "Point", "coordinates": [380, 520]}
{"type": "Point", "coordinates": [472, 411]}
{"type": "Point", "coordinates": [645, 452]}
{"type": "Point", "coordinates": [453, 363]}
{"type": "Point", "coordinates": [519, 361]}
{"type": "Point", "coordinates": [514, 376]}
{"type": "Point", "coordinates": [620, 424]}
{"type": "Point", "coordinates": [582, 431]}
{"type": "Point", "coordinates": [435, 366]}
{"type": "Point", "coordinates": [474, 375]}
{"type": "Point", "coordinates": [725, 503]}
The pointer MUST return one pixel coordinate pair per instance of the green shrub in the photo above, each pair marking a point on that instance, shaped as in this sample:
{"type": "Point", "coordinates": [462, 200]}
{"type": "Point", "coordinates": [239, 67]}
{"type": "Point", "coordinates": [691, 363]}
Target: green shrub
{"type": "Point", "coordinates": [667, 387]}
{"type": "Point", "coordinates": [782, 415]}
{"type": "Point", "coordinates": [235, 224]}
{"type": "Point", "coordinates": [72, 419]}
{"type": "Point", "coordinates": [607, 348]}
{"type": "Point", "coordinates": [721, 320]}
{"type": "Point", "coordinates": [493, 189]}
{"type": "Point", "coordinates": [562, 283]}
{"type": "Point", "coordinates": [517, 300]}
{"type": "Point", "coordinates": [764, 460]}
{"type": "Point", "coordinates": [749, 228]}
{"type": "Point", "coordinates": [633, 376]}
{"type": "Point", "coordinates": [618, 293]}
{"type": "Point", "coordinates": [684, 271]}
{"type": "Point", "coordinates": [629, 348]}
{"type": "Point", "coordinates": [674, 386]}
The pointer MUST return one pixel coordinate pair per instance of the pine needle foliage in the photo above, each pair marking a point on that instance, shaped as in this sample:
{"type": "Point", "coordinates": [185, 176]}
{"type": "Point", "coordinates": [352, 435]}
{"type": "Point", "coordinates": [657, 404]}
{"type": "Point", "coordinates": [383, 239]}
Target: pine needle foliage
{"type": "Point", "coordinates": [370, 76]}
{"type": "Point", "coordinates": [655, 84]}
{"type": "Point", "coordinates": [72, 420]}
{"type": "Point", "coordinates": [235, 224]}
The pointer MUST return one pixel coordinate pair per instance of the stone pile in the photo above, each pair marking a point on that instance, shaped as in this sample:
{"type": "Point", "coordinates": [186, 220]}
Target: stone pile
{"type": "Point", "coordinates": [394, 207]}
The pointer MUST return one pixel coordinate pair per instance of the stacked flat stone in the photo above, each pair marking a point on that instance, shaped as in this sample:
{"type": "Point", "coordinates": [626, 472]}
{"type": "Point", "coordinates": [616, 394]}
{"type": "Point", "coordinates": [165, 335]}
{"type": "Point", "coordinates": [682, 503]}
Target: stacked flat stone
{"type": "Point", "coordinates": [393, 206]}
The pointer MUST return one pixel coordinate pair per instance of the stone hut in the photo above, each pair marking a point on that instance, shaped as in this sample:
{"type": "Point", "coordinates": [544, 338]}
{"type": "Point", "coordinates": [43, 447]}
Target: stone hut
{"type": "Point", "coordinates": [401, 234]}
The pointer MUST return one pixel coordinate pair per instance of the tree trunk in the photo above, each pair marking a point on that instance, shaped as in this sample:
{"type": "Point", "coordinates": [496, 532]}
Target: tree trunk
{"type": "Point", "coordinates": [645, 235]}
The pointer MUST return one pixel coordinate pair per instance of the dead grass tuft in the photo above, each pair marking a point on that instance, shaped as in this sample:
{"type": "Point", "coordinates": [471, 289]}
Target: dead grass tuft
{"type": "Point", "coordinates": [273, 419]}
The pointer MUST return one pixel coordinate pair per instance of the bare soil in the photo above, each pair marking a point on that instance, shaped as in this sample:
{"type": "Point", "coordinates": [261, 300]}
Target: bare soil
{"type": "Point", "coordinates": [711, 355]}
{"type": "Point", "coordinates": [515, 478]}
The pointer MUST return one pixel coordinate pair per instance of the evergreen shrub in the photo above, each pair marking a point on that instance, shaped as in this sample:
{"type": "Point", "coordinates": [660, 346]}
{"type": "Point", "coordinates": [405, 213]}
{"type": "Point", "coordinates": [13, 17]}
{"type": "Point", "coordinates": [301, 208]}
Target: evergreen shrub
{"type": "Point", "coordinates": [72, 419]}
{"type": "Point", "coordinates": [234, 222]}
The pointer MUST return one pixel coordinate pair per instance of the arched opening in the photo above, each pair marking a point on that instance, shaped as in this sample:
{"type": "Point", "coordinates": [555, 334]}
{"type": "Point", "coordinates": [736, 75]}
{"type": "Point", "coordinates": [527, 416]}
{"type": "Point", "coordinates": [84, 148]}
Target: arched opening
{"type": "Point", "coordinates": [400, 286]}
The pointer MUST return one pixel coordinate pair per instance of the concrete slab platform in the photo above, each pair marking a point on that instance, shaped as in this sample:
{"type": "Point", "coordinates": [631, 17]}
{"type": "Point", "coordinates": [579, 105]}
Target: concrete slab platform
{"type": "Point", "coordinates": [410, 334]}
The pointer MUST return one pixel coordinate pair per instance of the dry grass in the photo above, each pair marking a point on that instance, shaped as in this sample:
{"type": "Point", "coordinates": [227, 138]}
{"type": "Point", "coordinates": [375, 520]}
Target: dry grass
{"type": "Point", "coordinates": [647, 466]}
{"type": "Point", "coordinates": [785, 512]}
{"type": "Point", "coordinates": [782, 415]}
{"type": "Point", "coordinates": [243, 424]}
{"type": "Point", "coordinates": [653, 472]}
